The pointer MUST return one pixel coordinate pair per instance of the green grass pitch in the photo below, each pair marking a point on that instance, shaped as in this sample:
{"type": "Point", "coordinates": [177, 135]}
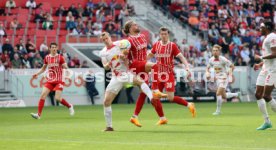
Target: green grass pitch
{"type": "Point", "coordinates": [56, 130]}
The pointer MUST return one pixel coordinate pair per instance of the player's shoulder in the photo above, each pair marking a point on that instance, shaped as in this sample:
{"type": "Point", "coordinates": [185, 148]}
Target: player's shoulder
{"type": "Point", "coordinates": [212, 59]}
{"type": "Point", "coordinates": [102, 52]}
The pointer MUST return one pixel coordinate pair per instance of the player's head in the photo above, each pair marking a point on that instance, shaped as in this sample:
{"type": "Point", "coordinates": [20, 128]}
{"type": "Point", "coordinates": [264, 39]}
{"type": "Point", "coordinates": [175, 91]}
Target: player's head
{"type": "Point", "coordinates": [216, 50]}
{"type": "Point", "coordinates": [131, 27]}
{"type": "Point", "coordinates": [53, 48]}
{"type": "Point", "coordinates": [164, 34]}
{"type": "Point", "coordinates": [106, 38]}
{"type": "Point", "coordinates": [266, 27]}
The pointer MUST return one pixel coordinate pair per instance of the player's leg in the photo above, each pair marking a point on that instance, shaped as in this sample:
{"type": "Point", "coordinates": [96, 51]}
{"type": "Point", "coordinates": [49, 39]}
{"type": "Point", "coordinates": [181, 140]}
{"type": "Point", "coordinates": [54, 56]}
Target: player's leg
{"type": "Point", "coordinates": [159, 108]}
{"type": "Point", "coordinates": [45, 91]}
{"type": "Point", "coordinates": [220, 96]}
{"type": "Point", "coordinates": [109, 97]}
{"type": "Point", "coordinates": [269, 86]}
{"type": "Point", "coordinates": [112, 90]}
{"type": "Point", "coordinates": [231, 95]}
{"type": "Point", "coordinates": [64, 102]}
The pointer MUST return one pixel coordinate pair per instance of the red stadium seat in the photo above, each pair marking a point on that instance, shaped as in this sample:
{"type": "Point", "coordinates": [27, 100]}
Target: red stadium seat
{"type": "Point", "coordinates": [51, 33]}
{"type": "Point", "coordinates": [63, 32]}
{"type": "Point", "coordinates": [10, 32]}
{"type": "Point", "coordinates": [20, 32]}
{"type": "Point", "coordinates": [40, 33]}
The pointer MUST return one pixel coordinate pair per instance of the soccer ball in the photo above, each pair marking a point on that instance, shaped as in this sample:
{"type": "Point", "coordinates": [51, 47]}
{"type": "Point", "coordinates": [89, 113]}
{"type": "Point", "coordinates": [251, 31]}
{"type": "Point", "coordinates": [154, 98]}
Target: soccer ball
{"type": "Point", "coordinates": [124, 44]}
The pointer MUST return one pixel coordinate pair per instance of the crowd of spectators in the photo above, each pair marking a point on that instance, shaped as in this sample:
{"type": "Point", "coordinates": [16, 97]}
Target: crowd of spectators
{"type": "Point", "coordinates": [233, 24]}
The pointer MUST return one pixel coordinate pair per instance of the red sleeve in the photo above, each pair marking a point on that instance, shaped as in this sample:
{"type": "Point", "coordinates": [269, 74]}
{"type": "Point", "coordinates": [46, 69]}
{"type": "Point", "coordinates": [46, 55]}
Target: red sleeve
{"type": "Point", "coordinates": [45, 61]}
{"type": "Point", "coordinates": [153, 50]}
{"type": "Point", "coordinates": [176, 50]}
{"type": "Point", "coordinates": [62, 60]}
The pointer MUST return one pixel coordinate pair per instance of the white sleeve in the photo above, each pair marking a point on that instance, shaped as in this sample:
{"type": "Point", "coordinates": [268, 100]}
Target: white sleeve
{"type": "Point", "coordinates": [273, 42]}
{"type": "Point", "coordinates": [226, 61]}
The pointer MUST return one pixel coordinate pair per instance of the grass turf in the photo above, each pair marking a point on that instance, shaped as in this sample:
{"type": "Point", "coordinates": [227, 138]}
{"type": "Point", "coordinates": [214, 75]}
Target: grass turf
{"type": "Point", "coordinates": [234, 129]}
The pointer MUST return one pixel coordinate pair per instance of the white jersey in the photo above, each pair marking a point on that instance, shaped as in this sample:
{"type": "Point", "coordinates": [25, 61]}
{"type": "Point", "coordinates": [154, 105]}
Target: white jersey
{"type": "Point", "coordinates": [112, 56]}
{"type": "Point", "coordinates": [268, 43]}
{"type": "Point", "coordinates": [220, 66]}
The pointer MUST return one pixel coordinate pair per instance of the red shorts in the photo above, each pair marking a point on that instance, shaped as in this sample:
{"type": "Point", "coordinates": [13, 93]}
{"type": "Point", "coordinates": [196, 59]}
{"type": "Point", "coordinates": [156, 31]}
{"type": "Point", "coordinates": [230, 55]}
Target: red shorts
{"type": "Point", "coordinates": [138, 66]}
{"type": "Point", "coordinates": [54, 86]}
{"type": "Point", "coordinates": [168, 84]}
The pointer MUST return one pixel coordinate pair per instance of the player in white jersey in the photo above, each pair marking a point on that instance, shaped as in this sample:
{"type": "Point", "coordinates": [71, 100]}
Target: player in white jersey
{"type": "Point", "coordinates": [266, 80]}
{"type": "Point", "coordinates": [114, 58]}
{"type": "Point", "coordinates": [223, 70]}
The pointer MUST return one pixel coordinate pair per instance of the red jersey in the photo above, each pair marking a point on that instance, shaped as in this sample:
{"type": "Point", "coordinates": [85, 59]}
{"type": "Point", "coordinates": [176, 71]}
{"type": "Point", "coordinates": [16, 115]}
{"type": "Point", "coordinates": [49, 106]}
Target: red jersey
{"type": "Point", "coordinates": [54, 63]}
{"type": "Point", "coordinates": [165, 55]}
{"type": "Point", "coordinates": [138, 49]}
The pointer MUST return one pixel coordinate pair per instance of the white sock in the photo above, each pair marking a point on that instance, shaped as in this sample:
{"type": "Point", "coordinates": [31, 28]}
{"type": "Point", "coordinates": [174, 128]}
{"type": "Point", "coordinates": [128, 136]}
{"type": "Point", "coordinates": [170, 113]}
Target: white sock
{"type": "Point", "coordinates": [108, 116]}
{"type": "Point", "coordinates": [230, 95]}
{"type": "Point", "coordinates": [145, 88]}
{"type": "Point", "coordinates": [219, 103]}
{"type": "Point", "coordinates": [272, 104]}
{"type": "Point", "coordinates": [162, 118]}
{"type": "Point", "coordinates": [262, 107]}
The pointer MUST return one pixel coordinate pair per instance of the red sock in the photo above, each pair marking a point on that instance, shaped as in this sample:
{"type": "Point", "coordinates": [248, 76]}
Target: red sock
{"type": "Point", "coordinates": [158, 108]}
{"type": "Point", "coordinates": [154, 77]}
{"type": "Point", "coordinates": [139, 104]}
{"type": "Point", "coordinates": [40, 106]}
{"type": "Point", "coordinates": [65, 103]}
{"type": "Point", "coordinates": [180, 101]}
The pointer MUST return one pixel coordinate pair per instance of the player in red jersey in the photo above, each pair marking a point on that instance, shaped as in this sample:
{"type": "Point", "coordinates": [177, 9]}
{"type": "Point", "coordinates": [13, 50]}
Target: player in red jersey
{"type": "Point", "coordinates": [138, 64]}
{"type": "Point", "coordinates": [54, 76]}
{"type": "Point", "coordinates": [165, 52]}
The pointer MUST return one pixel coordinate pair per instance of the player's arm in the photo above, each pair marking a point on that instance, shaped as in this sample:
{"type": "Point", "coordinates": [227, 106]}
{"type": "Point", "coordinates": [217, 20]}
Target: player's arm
{"type": "Point", "coordinates": [272, 55]}
{"type": "Point", "coordinates": [208, 73]}
{"type": "Point", "coordinates": [106, 64]}
{"type": "Point", "coordinates": [183, 61]}
{"type": "Point", "coordinates": [65, 66]}
{"type": "Point", "coordinates": [258, 66]}
{"type": "Point", "coordinates": [150, 55]}
{"type": "Point", "coordinates": [41, 70]}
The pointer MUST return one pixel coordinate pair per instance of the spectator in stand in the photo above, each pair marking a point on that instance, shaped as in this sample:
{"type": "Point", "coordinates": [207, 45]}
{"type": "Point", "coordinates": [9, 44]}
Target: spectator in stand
{"type": "Point", "coordinates": [31, 4]}
{"type": "Point", "coordinates": [90, 4]}
{"type": "Point", "coordinates": [80, 23]}
{"type": "Point", "coordinates": [5, 56]}
{"type": "Point", "coordinates": [66, 55]}
{"type": "Point", "coordinates": [15, 24]}
{"type": "Point", "coordinates": [88, 12]}
{"type": "Point", "coordinates": [77, 31]}
{"type": "Point", "coordinates": [61, 11]}
{"type": "Point", "coordinates": [71, 64]}
{"type": "Point", "coordinates": [245, 55]}
{"type": "Point", "coordinates": [103, 4]}
{"type": "Point", "coordinates": [10, 4]}
{"type": "Point", "coordinates": [239, 62]}
{"type": "Point", "coordinates": [98, 24]}
{"type": "Point", "coordinates": [8, 63]}
{"type": "Point", "coordinates": [130, 8]}
{"type": "Point", "coordinates": [70, 21]}
{"type": "Point", "coordinates": [42, 46]}
{"type": "Point", "coordinates": [80, 9]}
{"type": "Point", "coordinates": [21, 47]}
{"type": "Point", "coordinates": [226, 42]}
{"type": "Point", "coordinates": [15, 51]}
{"type": "Point", "coordinates": [194, 22]}
{"type": "Point", "coordinates": [203, 27]}
{"type": "Point", "coordinates": [7, 46]}
{"type": "Point", "coordinates": [48, 23]}
{"type": "Point", "coordinates": [41, 17]}
{"type": "Point", "coordinates": [236, 39]}
{"type": "Point", "coordinates": [2, 67]}
{"type": "Point", "coordinates": [30, 46]}
{"type": "Point", "coordinates": [26, 62]}
{"type": "Point", "coordinates": [97, 31]}
{"type": "Point", "coordinates": [73, 10]}
{"type": "Point", "coordinates": [44, 53]}
{"type": "Point", "coordinates": [213, 34]}
{"type": "Point", "coordinates": [37, 61]}
{"type": "Point", "coordinates": [16, 62]}
{"type": "Point", "coordinates": [89, 29]}
{"type": "Point", "coordinates": [2, 30]}
{"type": "Point", "coordinates": [84, 64]}
{"type": "Point", "coordinates": [76, 61]}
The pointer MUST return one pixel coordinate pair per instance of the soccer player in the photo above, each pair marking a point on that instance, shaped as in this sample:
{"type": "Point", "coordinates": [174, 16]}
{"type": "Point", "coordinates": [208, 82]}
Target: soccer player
{"type": "Point", "coordinates": [54, 76]}
{"type": "Point", "coordinates": [165, 51]}
{"type": "Point", "coordinates": [114, 59]}
{"type": "Point", "coordinates": [220, 65]}
{"type": "Point", "coordinates": [266, 80]}
{"type": "Point", "coordinates": [138, 64]}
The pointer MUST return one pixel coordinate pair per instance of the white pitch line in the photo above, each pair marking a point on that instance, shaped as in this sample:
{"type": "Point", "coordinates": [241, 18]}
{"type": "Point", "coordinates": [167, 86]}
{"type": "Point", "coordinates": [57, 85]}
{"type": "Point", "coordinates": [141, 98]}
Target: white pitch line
{"type": "Point", "coordinates": [136, 143]}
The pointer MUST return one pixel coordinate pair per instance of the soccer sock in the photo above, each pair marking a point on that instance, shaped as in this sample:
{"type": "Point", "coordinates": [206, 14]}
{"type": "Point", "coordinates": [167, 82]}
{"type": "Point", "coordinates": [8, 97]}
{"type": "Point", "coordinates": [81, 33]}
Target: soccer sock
{"type": "Point", "coordinates": [230, 95]}
{"type": "Point", "coordinates": [180, 101]}
{"type": "Point", "coordinates": [108, 116]}
{"type": "Point", "coordinates": [158, 108]}
{"type": "Point", "coordinates": [139, 104]}
{"type": "Point", "coordinates": [145, 88]}
{"type": "Point", "coordinates": [219, 103]}
{"type": "Point", "coordinates": [65, 103]}
{"type": "Point", "coordinates": [262, 107]}
{"type": "Point", "coordinates": [272, 104]}
{"type": "Point", "coordinates": [40, 106]}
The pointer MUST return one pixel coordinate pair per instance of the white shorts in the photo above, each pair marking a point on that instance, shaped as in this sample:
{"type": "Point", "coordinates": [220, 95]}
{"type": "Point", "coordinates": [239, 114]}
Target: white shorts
{"type": "Point", "coordinates": [117, 82]}
{"type": "Point", "coordinates": [261, 78]}
{"type": "Point", "coordinates": [222, 83]}
{"type": "Point", "coordinates": [270, 79]}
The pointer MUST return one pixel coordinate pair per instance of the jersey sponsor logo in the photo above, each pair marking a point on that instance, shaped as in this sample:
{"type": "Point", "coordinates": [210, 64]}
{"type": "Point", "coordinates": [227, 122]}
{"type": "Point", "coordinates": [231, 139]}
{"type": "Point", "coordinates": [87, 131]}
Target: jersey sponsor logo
{"type": "Point", "coordinates": [53, 65]}
{"type": "Point", "coordinates": [163, 55]}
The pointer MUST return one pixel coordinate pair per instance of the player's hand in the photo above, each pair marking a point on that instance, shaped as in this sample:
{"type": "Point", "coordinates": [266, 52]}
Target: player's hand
{"type": "Point", "coordinates": [125, 52]}
{"type": "Point", "coordinates": [208, 75]}
{"type": "Point", "coordinates": [257, 57]}
{"type": "Point", "coordinates": [123, 57]}
{"type": "Point", "coordinates": [34, 76]}
{"type": "Point", "coordinates": [256, 67]}
{"type": "Point", "coordinates": [230, 78]}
